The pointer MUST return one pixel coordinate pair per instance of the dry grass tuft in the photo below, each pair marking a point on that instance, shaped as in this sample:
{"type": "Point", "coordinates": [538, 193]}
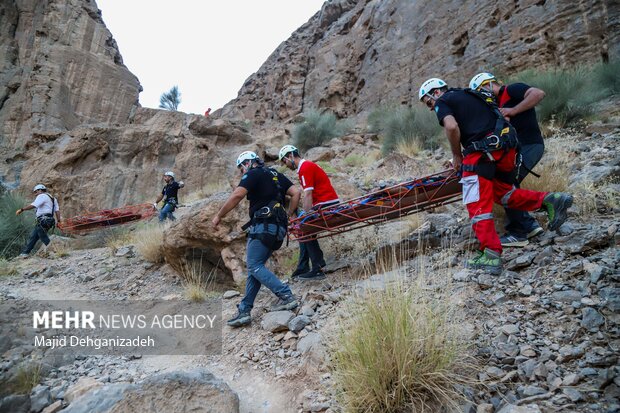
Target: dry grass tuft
{"type": "Point", "coordinates": [399, 351]}
{"type": "Point", "coordinates": [289, 263]}
{"type": "Point", "coordinates": [593, 197]}
{"type": "Point", "coordinates": [355, 160]}
{"type": "Point", "coordinates": [27, 377]}
{"type": "Point", "coordinates": [149, 242]}
{"type": "Point", "coordinates": [197, 283]}
{"type": "Point", "coordinates": [555, 177]}
{"type": "Point", "coordinates": [410, 223]}
{"type": "Point", "coordinates": [206, 191]}
{"type": "Point", "coordinates": [117, 237]}
{"type": "Point", "coordinates": [59, 249]}
{"type": "Point", "coordinates": [553, 169]}
{"type": "Point", "coordinates": [402, 347]}
{"type": "Point", "coordinates": [410, 148]}
{"type": "Point", "coordinates": [327, 167]}
{"type": "Point", "coordinates": [7, 268]}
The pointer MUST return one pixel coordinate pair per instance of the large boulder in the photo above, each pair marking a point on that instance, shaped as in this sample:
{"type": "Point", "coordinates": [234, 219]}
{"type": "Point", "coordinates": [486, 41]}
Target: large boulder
{"type": "Point", "coordinates": [192, 241]}
{"type": "Point", "coordinates": [190, 391]}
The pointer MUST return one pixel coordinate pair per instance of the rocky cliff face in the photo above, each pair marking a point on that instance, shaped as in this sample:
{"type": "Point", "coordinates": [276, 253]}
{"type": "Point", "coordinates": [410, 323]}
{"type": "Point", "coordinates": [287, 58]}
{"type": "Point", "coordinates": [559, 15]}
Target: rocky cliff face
{"type": "Point", "coordinates": [93, 168]}
{"type": "Point", "coordinates": [59, 68]}
{"type": "Point", "coordinates": [70, 117]}
{"type": "Point", "coordinates": [356, 54]}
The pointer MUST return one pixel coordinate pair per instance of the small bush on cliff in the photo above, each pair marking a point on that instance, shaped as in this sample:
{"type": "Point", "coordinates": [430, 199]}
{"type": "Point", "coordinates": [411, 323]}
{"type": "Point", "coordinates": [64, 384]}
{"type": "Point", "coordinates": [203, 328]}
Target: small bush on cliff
{"type": "Point", "coordinates": [607, 76]}
{"type": "Point", "coordinates": [405, 127]}
{"type": "Point", "coordinates": [570, 93]}
{"type": "Point", "coordinates": [14, 230]}
{"type": "Point", "coordinates": [317, 129]}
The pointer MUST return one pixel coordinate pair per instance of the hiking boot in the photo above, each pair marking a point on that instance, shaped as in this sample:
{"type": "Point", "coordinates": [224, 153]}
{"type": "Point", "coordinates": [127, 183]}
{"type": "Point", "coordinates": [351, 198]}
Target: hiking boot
{"type": "Point", "coordinates": [23, 256]}
{"type": "Point", "coordinates": [242, 319]}
{"type": "Point", "coordinates": [489, 261]}
{"type": "Point", "coordinates": [557, 204]}
{"type": "Point", "coordinates": [288, 303]}
{"type": "Point", "coordinates": [312, 275]}
{"type": "Point", "coordinates": [511, 240]}
{"type": "Point", "coordinates": [298, 272]}
{"type": "Point", "coordinates": [536, 231]}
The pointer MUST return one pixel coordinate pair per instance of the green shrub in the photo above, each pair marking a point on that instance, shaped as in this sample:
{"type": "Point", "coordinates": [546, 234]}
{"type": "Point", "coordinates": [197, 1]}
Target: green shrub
{"type": "Point", "coordinates": [401, 125]}
{"type": "Point", "coordinates": [327, 167]}
{"type": "Point", "coordinates": [607, 76]}
{"type": "Point", "coordinates": [14, 230]}
{"type": "Point", "coordinates": [317, 129]}
{"type": "Point", "coordinates": [355, 160]}
{"type": "Point", "coordinates": [569, 93]}
{"type": "Point", "coordinates": [399, 351]}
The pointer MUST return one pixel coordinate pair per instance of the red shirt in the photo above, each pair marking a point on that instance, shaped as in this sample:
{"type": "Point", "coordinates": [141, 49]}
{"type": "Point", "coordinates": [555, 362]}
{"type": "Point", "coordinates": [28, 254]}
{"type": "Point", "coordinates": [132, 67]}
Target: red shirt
{"type": "Point", "coordinates": [313, 178]}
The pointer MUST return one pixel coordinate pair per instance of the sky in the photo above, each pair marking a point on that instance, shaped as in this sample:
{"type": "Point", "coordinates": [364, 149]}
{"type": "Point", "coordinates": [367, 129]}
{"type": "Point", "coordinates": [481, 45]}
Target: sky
{"type": "Point", "coordinates": [208, 48]}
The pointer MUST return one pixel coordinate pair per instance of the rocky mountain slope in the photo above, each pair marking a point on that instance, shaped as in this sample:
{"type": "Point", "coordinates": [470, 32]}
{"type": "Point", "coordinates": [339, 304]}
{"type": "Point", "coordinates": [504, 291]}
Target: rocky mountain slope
{"type": "Point", "coordinates": [69, 111]}
{"type": "Point", "coordinates": [545, 332]}
{"type": "Point", "coordinates": [355, 55]}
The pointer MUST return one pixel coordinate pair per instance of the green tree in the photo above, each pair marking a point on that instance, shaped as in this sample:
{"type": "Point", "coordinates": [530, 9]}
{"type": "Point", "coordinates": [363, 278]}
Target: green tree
{"type": "Point", "coordinates": [171, 99]}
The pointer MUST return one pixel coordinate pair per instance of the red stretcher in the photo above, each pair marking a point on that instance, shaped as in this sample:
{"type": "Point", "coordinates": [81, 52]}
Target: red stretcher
{"type": "Point", "coordinates": [382, 205]}
{"type": "Point", "coordinates": [106, 218]}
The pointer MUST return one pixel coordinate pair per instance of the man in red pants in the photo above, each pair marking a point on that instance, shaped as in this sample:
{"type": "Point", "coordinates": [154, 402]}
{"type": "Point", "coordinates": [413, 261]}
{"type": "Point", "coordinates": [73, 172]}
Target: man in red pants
{"type": "Point", "coordinates": [488, 163]}
{"type": "Point", "coordinates": [516, 102]}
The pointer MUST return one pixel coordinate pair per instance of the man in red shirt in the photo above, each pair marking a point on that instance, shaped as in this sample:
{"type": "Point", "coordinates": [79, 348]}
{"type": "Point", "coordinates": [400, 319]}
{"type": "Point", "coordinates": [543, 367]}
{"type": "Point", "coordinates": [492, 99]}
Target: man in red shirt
{"type": "Point", "coordinates": [318, 193]}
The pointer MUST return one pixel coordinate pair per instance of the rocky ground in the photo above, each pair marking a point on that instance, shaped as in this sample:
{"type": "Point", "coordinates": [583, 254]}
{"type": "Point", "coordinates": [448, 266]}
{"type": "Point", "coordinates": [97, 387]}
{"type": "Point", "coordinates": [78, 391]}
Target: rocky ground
{"type": "Point", "coordinates": [545, 333]}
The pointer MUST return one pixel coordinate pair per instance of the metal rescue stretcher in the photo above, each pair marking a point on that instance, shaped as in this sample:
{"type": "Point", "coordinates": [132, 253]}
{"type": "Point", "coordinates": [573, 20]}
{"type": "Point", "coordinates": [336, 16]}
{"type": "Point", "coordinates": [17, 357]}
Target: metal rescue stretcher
{"type": "Point", "coordinates": [106, 218]}
{"type": "Point", "coordinates": [379, 206]}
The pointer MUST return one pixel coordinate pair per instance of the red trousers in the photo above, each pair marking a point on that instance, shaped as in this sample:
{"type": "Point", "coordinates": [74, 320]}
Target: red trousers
{"type": "Point", "coordinates": [479, 194]}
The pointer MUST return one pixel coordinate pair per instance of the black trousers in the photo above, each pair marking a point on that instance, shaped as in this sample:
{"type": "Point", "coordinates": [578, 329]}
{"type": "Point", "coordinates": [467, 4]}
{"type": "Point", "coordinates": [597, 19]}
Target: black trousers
{"type": "Point", "coordinates": [310, 252]}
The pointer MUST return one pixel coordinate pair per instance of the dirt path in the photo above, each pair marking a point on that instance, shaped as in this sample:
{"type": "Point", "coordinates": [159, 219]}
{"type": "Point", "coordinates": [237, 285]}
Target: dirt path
{"type": "Point", "coordinates": [76, 278]}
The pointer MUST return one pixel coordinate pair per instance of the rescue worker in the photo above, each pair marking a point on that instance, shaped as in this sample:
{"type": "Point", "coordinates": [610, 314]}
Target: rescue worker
{"type": "Point", "coordinates": [266, 189]}
{"type": "Point", "coordinates": [516, 102]}
{"type": "Point", "coordinates": [171, 200]}
{"type": "Point", "coordinates": [318, 193]}
{"type": "Point", "coordinates": [46, 209]}
{"type": "Point", "coordinates": [488, 163]}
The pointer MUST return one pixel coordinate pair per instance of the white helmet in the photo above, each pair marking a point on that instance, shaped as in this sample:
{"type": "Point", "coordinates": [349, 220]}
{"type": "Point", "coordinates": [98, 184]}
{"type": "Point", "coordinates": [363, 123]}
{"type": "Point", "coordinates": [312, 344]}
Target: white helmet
{"type": "Point", "coordinates": [430, 84]}
{"type": "Point", "coordinates": [169, 173]}
{"type": "Point", "coordinates": [39, 187]}
{"type": "Point", "coordinates": [479, 79]}
{"type": "Point", "coordinates": [246, 156]}
{"type": "Point", "coordinates": [286, 149]}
